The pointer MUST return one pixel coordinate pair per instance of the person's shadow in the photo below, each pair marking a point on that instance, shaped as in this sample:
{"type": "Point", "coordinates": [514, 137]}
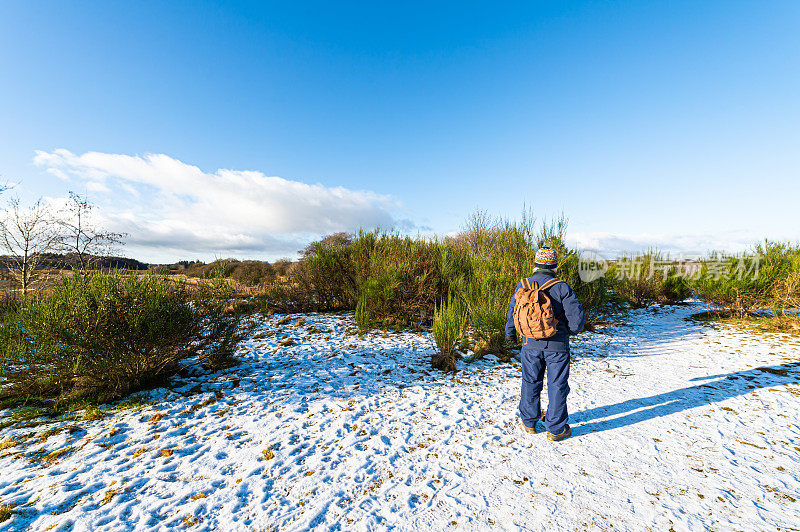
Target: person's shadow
{"type": "Point", "coordinates": [723, 387]}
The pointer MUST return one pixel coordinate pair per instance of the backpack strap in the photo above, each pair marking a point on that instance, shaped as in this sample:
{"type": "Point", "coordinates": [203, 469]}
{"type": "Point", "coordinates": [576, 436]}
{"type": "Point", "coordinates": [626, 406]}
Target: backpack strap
{"type": "Point", "coordinates": [550, 283]}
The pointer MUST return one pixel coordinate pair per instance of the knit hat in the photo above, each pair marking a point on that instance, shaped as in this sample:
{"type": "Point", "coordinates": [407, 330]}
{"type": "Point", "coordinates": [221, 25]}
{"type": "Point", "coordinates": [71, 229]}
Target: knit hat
{"type": "Point", "coordinates": [546, 258]}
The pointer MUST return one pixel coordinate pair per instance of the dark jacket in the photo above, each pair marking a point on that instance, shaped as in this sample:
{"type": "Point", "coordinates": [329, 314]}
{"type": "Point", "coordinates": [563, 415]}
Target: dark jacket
{"type": "Point", "coordinates": [567, 308]}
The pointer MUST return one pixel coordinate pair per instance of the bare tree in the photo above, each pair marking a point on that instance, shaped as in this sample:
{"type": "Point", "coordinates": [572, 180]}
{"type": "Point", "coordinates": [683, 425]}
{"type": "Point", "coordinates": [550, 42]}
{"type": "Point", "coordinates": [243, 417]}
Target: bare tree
{"type": "Point", "coordinates": [27, 235]}
{"type": "Point", "coordinates": [81, 236]}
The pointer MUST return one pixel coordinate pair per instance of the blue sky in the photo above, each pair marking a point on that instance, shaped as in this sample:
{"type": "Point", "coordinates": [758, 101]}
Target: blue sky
{"type": "Point", "coordinates": [245, 129]}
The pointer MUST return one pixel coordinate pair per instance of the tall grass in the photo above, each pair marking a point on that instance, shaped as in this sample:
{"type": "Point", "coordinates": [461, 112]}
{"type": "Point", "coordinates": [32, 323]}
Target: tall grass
{"type": "Point", "coordinates": [449, 322]}
{"type": "Point", "coordinates": [361, 315]}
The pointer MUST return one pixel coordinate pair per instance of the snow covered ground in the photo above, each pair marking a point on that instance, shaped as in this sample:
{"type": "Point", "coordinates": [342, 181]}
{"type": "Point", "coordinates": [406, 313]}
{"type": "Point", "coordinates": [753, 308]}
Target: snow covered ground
{"type": "Point", "coordinates": [675, 425]}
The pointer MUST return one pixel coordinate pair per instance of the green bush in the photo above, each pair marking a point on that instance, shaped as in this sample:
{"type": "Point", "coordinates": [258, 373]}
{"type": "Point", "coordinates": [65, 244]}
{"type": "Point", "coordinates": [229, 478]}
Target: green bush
{"type": "Point", "coordinates": [253, 272]}
{"type": "Point", "coordinates": [396, 280]}
{"type": "Point", "coordinates": [247, 272]}
{"type": "Point", "coordinates": [676, 288]}
{"type": "Point", "coordinates": [767, 278]}
{"type": "Point", "coordinates": [320, 281]}
{"type": "Point", "coordinates": [400, 279]}
{"type": "Point", "coordinates": [637, 279]}
{"type": "Point", "coordinates": [449, 322]}
{"type": "Point", "coordinates": [499, 254]}
{"type": "Point", "coordinates": [100, 337]}
{"type": "Point", "coordinates": [649, 278]}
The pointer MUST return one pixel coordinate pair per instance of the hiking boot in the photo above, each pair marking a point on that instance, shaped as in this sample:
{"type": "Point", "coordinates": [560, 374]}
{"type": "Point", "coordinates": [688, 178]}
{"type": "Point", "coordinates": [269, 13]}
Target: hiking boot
{"type": "Point", "coordinates": [529, 430]}
{"type": "Point", "coordinates": [558, 437]}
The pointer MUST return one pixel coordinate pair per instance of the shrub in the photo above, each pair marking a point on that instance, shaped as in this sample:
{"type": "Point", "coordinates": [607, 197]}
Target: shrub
{"type": "Point", "coordinates": [649, 278]}
{"type": "Point", "coordinates": [324, 278]}
{"type": "Point", "coordinates": [635, 280]}
{"type": "Point", "coordinates": [741, 284]}
{"type": "Point", "coordinates": [786, 292]}
{"type": "Point", "coordinates": [100, 337]}
{"type": "Point", "coordinates": [282, 266]}
{"type": "Point", "coordinates": [676, 288]}
{"type": "Point", "coordinates": [396, 280]}
{"type": "Point", "coordinates": [449, 322]}
{"type": "Point", "coordinates": [253, 272]}
{"type": "Point", "coordinates": [248, 272]}
{"type": "Point", "coordinates": [400, 279]}
{"type": "Point", "coordinates": [501, 252]}
{"type": "Point", "coordinates": [159, 270]}
{"type": "Point", "coordinates": [318, 282]}
{"type": "Point", "coordinates": [219, 318]}
{"type": "Point", "coordinates": [498, 253]}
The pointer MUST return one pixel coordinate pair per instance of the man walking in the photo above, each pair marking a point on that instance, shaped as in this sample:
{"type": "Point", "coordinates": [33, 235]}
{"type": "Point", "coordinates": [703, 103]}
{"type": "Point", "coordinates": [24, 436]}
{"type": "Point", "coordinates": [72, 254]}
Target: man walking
{"type": "Point", "coordinates": [545, 311]}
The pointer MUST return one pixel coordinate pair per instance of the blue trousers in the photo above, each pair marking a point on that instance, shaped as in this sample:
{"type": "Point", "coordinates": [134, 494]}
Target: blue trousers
{"type": "Point", "coordinates": [533, 366]}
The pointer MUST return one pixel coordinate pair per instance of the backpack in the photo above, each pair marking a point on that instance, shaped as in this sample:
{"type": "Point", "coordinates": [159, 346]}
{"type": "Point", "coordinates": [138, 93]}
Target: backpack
{"type": "Point", "coordinates": [534, 316]}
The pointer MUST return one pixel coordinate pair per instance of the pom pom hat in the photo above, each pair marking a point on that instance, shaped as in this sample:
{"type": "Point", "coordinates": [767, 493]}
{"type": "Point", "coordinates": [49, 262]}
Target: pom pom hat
{"type": "Point", "coordinates": [546, 258]}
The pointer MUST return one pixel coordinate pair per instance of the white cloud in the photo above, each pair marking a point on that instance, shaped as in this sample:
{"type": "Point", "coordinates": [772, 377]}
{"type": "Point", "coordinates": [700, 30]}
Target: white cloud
{"type": "Point", "coordinates": [176, 209]}
{"type": "Point", "coordinates": [612, 245]}
{"type": "Point", "coordinates": [58, 173]}
{"type": "Point", "coordinates": [96, 186]}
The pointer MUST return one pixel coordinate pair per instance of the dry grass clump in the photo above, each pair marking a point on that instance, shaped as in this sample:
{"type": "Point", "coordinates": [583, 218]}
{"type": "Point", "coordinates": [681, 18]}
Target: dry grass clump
{"type": "Point", "coordinates": [190, 521]}
{"type": "Point", "coordinates": [139, 452]}
{"type": "Point", "coordinates": [6, 511]}
{"type": "Point", "coordinates": [92, 413]}
{"type": "Point", "coordinates": [28, 417]}
{"type": "Point", "coordinates": [51, 457]}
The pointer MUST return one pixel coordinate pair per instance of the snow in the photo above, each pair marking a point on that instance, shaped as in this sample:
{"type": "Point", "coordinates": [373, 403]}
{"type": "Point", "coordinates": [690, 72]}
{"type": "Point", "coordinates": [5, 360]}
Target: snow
{"type": "Point", "coordinates": [675, 424]}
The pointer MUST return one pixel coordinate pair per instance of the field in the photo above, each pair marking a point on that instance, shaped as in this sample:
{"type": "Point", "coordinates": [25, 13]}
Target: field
{"type": "Point", "coordinates": [678, 424]}
{"type": "Point", "coordinates": [296, 266]}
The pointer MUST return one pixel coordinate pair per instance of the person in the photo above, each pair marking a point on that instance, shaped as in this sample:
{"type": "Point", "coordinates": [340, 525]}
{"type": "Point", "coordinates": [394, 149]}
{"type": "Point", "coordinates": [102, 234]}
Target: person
{"type": "Point", "coordinates": [551, 353]}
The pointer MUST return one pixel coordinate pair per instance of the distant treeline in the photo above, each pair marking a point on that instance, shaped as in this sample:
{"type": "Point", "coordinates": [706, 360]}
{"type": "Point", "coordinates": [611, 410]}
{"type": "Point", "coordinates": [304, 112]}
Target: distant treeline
{"type": "Point", "coordinates": [246, 272]}
{"type": "Point", "coordinates": [70, 261]}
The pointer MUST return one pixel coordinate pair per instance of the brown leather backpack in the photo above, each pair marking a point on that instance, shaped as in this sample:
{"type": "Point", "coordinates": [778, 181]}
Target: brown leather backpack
{"type": "Point", "coordinates": [534, 316]}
